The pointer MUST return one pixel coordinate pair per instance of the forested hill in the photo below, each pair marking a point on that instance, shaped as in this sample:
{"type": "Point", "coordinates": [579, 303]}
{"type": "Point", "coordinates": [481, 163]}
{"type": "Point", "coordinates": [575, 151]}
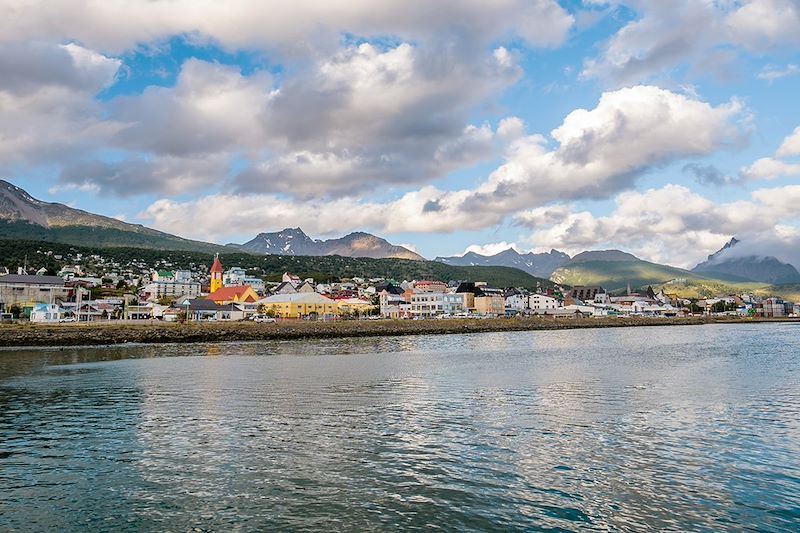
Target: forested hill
{"type": "Point", "coordinates": [324, 268]}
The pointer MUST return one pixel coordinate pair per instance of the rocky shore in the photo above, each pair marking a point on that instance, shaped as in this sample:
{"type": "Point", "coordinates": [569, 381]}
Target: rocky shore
{"type": "Point", "coordinates": [107, 333]}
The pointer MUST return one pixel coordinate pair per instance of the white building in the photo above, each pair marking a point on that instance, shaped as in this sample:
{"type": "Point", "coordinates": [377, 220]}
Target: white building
{"type": "Point", "coordinates": [44, 313]}
{"type": "Point", "coordinates": [542, 302]}
{"type": "Point", "coordinates": [169, 289]}
{"type": "Point", "coordinates": [518, 302]}
{"type": "Point", "coordinates": [429, 304]}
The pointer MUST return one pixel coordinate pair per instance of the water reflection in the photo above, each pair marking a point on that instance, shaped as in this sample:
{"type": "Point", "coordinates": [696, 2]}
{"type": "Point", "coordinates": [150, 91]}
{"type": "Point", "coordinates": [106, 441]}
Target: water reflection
{"type": "Point", "coordinates": [685, 429]}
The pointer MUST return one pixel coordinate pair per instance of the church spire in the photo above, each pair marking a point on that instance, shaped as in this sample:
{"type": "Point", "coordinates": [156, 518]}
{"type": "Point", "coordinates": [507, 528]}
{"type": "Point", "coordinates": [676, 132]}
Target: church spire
{"type": "Point", "coordinates": [216, 275]}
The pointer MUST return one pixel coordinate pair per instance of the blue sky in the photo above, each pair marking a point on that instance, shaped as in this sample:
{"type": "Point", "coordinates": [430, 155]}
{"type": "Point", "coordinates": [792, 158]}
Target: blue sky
{"type": "Point", "coordinates": [659, 129]}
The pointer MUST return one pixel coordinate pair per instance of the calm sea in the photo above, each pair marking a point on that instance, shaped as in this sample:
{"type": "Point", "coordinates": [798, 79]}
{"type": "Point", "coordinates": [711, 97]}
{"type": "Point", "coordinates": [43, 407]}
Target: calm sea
{"type": "Point", "coordinates": [641, 429]}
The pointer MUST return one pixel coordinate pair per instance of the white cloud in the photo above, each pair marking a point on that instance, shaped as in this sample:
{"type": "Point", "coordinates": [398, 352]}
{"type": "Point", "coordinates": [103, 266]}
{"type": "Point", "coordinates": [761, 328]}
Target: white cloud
{"type": "Point", "coordinates": [670, 225]}
{"type": "Point", "coordinates": [491, 248]}
{"type": "Point", "coordinates": [600, 152]}
{"type": "Point", "coordinates": [772, 72]}
{"type": "Point", "coordinates": [47, 107]}
{"type": "Point", "coordinates": [790, 145]}
{"type": "Point", "coordinates": [294, 27]}
{"type": "Point", "coordinates": [706, 34]}
{"type": "Point", "coordinates": [768, 168]}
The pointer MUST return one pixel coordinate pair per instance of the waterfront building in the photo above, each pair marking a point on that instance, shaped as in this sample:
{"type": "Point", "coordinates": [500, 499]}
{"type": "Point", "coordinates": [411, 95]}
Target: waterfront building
{"type": "Point", "coordinates": [392, 305]}
{"type": "Point", "coordinates": [517, 301]}
{"type": "Point", "coordinates": [216, 275]}
{"type": "Point", "coordinates": [541, 302]}
{"type": "Point", "coordinates": [430, 304]}
{"type": "Point", "coordinates": [298, 305]}
{"type": "Point", "coordinates": [25, 290]}
{"type": "Point", "coordinates": [346, 306]}
{"type": "Point", "coordinates": [45, 313]}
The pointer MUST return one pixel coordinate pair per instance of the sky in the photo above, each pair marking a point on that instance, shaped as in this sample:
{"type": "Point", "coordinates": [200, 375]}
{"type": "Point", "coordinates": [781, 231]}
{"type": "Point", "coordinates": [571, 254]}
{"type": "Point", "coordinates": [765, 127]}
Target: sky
{"type": "Point", "coordinates": [659, 128]}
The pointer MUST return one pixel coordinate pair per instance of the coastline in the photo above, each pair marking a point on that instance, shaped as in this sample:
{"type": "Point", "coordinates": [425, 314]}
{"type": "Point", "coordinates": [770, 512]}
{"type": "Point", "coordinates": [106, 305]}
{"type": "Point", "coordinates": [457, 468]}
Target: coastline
{"type": "Point", "coordinates": [113, 333]}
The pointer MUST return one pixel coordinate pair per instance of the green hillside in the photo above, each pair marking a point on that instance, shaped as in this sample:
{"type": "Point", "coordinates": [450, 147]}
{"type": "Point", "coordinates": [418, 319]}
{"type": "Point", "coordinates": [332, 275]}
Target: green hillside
{"type": "Point", "coordinates": [616, 275]}
{"type": "Point", "coordinates": [102, 237]}
{"type": "Point", "coordinates": [271, 267]}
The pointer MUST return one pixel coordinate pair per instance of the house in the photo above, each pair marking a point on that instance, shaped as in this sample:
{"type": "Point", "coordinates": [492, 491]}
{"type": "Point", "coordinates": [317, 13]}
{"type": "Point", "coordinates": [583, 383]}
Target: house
{"type": "Point", "coordinates": [45, 313]}
{"type": "Point", "coordinates": [298, 305]}
{"type": "Point", "coordinates": [290, 278]}
{"type": "Point", "coordinates": [199, 309]}
{"type": "Point", "coordinates": [26, 290]}
{"type": "Point", "coordinates": [234, 295]}
{"type": "Point", "coordinates": [357, 306]}
{"type": "Point", "coordinates": [393, 305]}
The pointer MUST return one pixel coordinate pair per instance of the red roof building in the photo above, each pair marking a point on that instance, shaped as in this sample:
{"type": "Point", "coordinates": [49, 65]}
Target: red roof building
{"type": "Point", "coordinates": [237, 295]}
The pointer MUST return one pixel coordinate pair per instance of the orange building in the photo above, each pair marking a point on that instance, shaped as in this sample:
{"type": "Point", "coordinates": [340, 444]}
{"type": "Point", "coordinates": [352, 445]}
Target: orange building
{"type": "Point", "coordinates": [216, 275]}
{"type": "Point", "coordinates": [242, 294]}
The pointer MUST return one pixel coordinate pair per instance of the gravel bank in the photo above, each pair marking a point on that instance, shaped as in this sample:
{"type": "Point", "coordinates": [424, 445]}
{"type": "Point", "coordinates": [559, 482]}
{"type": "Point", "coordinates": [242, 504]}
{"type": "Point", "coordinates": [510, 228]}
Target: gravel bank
{"type": "Point", "coordinates": [158, 332]}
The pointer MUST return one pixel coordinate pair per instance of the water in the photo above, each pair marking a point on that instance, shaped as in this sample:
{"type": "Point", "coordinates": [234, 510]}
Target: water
{"type": "Point", "coordinates": [682, 428]}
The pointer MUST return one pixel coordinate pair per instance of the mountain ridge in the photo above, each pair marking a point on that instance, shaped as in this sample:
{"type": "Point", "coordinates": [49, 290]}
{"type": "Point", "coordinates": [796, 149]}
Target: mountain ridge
{"type": "Point", "coordinates": [539, 265]}
{"type": "Point", "coordinates": [24, 217]}
{"type": "Point", "coordinates": [765, 269]}
{"type": "Point", "coordinates": [294, 241]}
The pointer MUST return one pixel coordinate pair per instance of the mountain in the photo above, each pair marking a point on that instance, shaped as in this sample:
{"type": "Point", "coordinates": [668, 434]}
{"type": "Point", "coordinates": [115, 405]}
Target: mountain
{"type": "Point", "coordinates": [541, 265]}
{"type": "Point", "coordinates": [293, 241]}
{"type": "Point", "coordinates": [24, 217]}
{"type": "Point", "coordinates": [766, 269]}
{"type": "Point", "coordinates": [614, 270]}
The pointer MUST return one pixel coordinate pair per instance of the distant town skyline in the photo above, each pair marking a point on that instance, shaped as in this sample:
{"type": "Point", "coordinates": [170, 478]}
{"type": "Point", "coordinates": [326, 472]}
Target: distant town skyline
{"type": "Point", "coordinates": [659, 128]}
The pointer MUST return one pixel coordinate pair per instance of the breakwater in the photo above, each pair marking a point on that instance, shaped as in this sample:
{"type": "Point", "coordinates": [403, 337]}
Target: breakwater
{"type": "Point", "coordinates": [105, 333]}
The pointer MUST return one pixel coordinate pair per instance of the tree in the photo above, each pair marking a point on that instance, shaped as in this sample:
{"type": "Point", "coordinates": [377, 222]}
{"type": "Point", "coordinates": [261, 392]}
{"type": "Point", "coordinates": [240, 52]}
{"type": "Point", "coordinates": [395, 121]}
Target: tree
{"type": "Point", "coordinates": [15, 310]}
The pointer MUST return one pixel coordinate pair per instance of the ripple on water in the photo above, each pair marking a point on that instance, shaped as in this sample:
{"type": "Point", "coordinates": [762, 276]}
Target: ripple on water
{"type": "Point", "coordinates": [692, 428]}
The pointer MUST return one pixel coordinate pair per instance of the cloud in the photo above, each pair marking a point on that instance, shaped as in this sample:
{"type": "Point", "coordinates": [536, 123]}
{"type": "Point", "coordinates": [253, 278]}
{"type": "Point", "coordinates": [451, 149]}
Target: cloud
{"type": "Point", "coordinates": [128, 177]}
{"type": "Point", "coordinates": [294, 27]}
{"type": "Point", "coordinates": [705, 34]}
{"type": "Point", "coordinates": [768, 168]}
{"type": "Point", "coordinates": [364, 118]}
{"type": "Point", "coordinates": [598, 152]}
{"type": "Point", "coordinates": [491, 248]}
{"type": "Point", "coordinates": [47, 107]}
{"type": "Point", "coordinates": [790, 145]}
{"type": "Point", "coordinates": [708, 175]}
{"type": "Point", "coordinates": [773, 72]}
{"type": "Point", "coordinates": [670, 225]}
{"type": "Point", "coordinates": [369, 117]}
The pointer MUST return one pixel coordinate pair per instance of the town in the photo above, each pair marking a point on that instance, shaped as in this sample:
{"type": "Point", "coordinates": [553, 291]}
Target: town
{"type": "Point", "coordinates": [92, 289]}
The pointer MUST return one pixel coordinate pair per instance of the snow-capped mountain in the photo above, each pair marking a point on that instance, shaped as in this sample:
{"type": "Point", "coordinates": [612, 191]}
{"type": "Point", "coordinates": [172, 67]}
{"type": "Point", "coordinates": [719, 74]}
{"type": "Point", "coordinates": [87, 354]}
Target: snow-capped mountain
{"type": "Point", "coordinates": [294, 241]}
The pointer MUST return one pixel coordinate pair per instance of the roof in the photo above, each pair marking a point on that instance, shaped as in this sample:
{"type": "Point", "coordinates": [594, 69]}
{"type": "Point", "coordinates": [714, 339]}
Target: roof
{"type": "Point", "coordinates": [217, 266]}
{"type": "Point", "coordinates": [297, 298]}
{"type": "Point", "coordinates": [200, 304]}
{"type": "Point", "coordinates": [225, 294]}
{"type": "Point", "coordinates": [32, 280]}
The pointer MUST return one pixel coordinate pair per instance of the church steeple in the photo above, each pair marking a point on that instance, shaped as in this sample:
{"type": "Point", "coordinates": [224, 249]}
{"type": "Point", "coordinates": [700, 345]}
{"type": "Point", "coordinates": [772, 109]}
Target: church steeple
{"type": "Point", "coordinates": [216, 275]}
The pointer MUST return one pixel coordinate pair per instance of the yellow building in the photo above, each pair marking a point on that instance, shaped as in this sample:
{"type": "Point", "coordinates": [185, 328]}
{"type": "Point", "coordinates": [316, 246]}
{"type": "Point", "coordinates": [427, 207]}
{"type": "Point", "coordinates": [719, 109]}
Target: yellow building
{"type": "Point", "coordinates": [241, 294]}
{"type": "Point", "coordinates": [490, 305]}
{"type": "Point", "coordinates": [348, 306]}
{"type": "Point", "coordinates": [298, 305]}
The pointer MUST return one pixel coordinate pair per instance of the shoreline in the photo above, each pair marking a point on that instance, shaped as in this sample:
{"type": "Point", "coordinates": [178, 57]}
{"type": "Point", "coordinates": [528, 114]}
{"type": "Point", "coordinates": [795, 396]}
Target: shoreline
{"type": "Point", "coordinates": [115, 333]}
